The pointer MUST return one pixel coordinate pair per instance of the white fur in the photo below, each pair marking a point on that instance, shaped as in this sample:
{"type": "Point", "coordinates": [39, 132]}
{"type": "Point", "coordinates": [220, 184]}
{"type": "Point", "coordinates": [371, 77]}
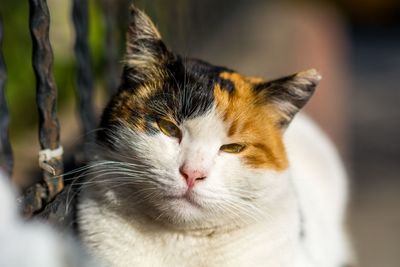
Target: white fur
{"type": "Point", "coordinates": [133, 213]}
{"type": "Point", "coordinates": [321, 184]}
{"type": "Point", "coordinates": [32, 244]}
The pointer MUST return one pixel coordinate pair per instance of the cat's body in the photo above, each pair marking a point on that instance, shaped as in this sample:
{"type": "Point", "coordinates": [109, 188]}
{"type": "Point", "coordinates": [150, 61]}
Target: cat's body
{"type": "Point", "coordinates": [304, 228]}
{"type": "Point", "coordinates": [197, 165]}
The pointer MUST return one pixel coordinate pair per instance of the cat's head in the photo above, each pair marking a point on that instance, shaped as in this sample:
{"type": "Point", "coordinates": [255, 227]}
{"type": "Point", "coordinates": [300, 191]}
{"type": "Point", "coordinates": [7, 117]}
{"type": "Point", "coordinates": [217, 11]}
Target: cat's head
{"type": "Point", "coordinates": [192, 142]}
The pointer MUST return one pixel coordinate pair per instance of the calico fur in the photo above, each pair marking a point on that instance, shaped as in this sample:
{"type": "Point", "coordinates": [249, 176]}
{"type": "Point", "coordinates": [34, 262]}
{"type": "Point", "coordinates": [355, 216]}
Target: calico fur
{"type": "Point", "coordinates": [279, 202]}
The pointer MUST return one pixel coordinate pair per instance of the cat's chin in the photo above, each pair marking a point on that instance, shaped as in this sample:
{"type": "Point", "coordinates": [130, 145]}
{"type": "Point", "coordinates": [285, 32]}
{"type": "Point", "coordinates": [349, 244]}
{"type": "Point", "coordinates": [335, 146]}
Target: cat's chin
{"type": "Point", "coordinates": [183, 213]}
{"type": "Point", "coordinates": [183, 210]}
{"type": "Point", "coordinates": [191, 213]}
{"type": "Point", "coordinates": [184, 202]}
{"type": "Point", "coordinates": [191, 217]}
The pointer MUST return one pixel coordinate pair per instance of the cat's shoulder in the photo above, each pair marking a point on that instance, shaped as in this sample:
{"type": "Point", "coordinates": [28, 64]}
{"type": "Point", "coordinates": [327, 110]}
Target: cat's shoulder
{"type": "Point", "coordinates": [321, 183]}
{"type": "Point", "coordinates": [307, 143]}
{"type": "Point", "coordinates": [315, 160]}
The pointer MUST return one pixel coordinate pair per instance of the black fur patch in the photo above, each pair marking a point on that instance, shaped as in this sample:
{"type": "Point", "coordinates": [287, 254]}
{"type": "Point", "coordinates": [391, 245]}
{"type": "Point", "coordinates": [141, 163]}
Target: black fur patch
{"type": "Point", "coordinates": [187, 92]}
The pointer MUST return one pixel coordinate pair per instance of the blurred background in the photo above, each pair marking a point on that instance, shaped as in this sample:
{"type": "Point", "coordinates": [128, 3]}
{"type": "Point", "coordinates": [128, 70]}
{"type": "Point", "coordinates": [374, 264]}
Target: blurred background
{"type": "Point", "coordinates": [355, 44]}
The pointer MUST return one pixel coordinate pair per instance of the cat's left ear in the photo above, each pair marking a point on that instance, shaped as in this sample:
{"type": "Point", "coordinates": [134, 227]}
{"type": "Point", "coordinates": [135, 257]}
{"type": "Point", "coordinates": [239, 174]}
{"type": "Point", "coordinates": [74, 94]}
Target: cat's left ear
{"type": "Point", "coordinates": [289, 94]}
{"type": "Point", "coordinates": [145, 51]}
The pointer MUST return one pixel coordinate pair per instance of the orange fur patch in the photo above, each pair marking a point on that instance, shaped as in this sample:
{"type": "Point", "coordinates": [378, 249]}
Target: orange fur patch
{"type": "Point", "coordinates": [252, 123]}
{"type": "Point", "coordinates": [126, 102]}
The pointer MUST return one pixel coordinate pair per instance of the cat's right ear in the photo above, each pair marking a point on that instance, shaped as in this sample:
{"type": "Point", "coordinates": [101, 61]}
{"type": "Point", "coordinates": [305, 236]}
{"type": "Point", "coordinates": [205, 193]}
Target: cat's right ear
{"type": "Point", "coordinates": [145, 51]}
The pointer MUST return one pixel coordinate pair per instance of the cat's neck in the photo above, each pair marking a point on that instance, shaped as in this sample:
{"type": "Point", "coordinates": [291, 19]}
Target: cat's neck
{"type": "Point", "coordinates": [96, 199]}
{"type": "Point", "coordinates": [106, 231]}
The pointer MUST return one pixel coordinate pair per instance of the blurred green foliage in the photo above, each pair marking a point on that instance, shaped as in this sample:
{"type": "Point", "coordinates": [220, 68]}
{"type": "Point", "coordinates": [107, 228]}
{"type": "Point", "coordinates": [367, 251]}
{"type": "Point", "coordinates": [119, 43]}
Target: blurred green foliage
{"type": "Point", "coordinates": [17, 49]}
{"type": "Point", "coordinates": [20, 86]}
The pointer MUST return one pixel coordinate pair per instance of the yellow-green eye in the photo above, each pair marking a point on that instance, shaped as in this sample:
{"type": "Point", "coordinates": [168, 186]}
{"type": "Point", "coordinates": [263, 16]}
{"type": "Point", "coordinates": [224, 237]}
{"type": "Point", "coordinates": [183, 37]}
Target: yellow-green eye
{"type": "Point", "coordinates": [169, 129]}
{"type": "Point", "coordinates": [233, 148]}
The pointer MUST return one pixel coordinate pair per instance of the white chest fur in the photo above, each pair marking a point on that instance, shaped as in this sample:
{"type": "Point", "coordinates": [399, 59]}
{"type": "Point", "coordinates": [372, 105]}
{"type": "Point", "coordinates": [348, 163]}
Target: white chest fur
{"type": "Point", "coordinates": [118, 243]}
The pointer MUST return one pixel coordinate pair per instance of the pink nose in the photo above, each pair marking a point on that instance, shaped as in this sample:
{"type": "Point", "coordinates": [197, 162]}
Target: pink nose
{"type": "Point", "coordinates": [192, 175]}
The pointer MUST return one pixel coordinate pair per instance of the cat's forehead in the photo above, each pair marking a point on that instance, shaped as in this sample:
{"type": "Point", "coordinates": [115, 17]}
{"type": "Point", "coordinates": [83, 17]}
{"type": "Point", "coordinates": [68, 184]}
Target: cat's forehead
{"type": "Point", "coordinates": [186, 89]}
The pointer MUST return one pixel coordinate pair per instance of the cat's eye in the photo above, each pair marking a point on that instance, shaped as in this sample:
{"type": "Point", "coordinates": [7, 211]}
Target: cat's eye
{"type": "Point", "coordinates": [233, 148]}
{"type": "Point", "coordinates": [169, 128]}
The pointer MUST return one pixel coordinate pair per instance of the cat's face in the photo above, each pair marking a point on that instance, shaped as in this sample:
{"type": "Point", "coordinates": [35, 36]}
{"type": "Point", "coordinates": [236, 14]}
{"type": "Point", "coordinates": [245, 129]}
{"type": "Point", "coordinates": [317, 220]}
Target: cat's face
{"type": "Point", "coordinates": [192, 142]}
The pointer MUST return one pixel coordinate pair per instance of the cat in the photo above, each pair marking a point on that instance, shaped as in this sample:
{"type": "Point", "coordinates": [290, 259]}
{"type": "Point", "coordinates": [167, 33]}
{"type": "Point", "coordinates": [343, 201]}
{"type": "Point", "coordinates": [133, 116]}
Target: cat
{"type": "Point", "coordinates": [197, 165]}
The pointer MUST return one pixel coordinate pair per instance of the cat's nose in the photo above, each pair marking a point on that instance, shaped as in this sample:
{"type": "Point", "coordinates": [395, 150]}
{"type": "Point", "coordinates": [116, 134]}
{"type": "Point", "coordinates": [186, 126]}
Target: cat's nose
{"type": "Point", "coordinates": [192, 175]}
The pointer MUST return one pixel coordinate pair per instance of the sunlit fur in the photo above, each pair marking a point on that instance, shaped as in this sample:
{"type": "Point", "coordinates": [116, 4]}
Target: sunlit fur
{"type": "Point", "coordinates": [136, 208]}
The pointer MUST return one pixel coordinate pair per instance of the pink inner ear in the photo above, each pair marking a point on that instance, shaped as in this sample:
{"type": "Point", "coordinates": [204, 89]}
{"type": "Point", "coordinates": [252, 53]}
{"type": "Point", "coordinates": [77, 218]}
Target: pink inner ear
{"type": "Point", "coordinates": [192, 174]}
